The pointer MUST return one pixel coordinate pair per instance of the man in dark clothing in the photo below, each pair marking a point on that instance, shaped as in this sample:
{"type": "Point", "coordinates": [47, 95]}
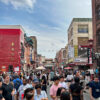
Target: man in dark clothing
{"type": "Point", "coordinates": [94, 89]}
{"type": "Point", "coordinates": [76, 90]}
{"type": "Point", "coordinates": [7, 88]}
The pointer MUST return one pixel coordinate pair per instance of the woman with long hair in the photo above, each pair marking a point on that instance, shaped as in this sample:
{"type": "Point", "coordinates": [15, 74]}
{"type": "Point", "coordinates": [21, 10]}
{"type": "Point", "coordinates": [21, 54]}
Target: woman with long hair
{"type": "Point", "coordinates": [44, 83]}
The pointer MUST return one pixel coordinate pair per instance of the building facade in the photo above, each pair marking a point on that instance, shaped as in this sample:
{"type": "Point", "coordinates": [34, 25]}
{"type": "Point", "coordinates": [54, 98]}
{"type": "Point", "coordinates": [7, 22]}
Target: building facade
{"type": "Point", "coordinates": [11, 48]}
{"type": "Point", "coordinates": [96, 30]}
{"type": "Point", "coordinates": [49, 64]}
{"type": "Point", "coordinates": [79, 32]}
{"type": "Point", "coordinates": [34, 51]}
{"type": "Point", "coordinates": [61, 58]}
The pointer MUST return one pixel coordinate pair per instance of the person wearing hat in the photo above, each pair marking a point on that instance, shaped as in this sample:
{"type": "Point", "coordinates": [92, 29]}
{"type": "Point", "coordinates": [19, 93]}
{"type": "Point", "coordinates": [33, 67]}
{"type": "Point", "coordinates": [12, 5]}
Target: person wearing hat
{"type": "Point", "coordinates": [34, 82]}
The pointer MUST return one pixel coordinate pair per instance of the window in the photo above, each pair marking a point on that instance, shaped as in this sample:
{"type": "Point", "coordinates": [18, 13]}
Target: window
{"type": "Point", "coordinates": [98, 13]}
{"type": "Point", "coordinates": [82, 28]}
{"type": "Point", "coordinates": [98, 37]}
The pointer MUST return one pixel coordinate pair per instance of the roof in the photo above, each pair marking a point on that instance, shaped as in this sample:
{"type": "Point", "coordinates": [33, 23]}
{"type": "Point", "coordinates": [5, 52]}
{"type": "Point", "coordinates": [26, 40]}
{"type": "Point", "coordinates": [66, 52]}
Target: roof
{"type": "Point", "coordinates": [82, 20]}
{"type": "Point", "coordinates": [12, 27]}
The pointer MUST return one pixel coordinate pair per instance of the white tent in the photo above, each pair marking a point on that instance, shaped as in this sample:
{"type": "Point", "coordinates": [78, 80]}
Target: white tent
{"type": "Point", "coordinates": [40, 68]}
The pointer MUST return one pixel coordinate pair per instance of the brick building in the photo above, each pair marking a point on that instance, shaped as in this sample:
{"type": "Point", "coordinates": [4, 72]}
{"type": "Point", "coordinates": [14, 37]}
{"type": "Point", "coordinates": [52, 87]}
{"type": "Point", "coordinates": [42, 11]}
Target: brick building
{"type": "Point", "coordinates": [96, 29]}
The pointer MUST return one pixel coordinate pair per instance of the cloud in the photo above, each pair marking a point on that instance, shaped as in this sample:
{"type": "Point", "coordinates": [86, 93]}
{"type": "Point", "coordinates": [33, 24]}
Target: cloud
{"type": "Point", "coordinates": [48, 44]}
{"type": "Point", "coordinates": [21, 4]}
{"type": "Point", "coordinates": [49, 22]}
{"type": "Point", "coordinates": [30, 31]}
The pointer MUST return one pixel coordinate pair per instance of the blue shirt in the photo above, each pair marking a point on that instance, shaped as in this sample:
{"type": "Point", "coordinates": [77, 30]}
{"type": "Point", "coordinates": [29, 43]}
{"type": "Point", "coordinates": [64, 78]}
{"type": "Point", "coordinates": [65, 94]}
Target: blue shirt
{"type": "Point", "coordinates": [95, 89]}
{"type": "Point", "coordinates": [17, 79]}
{"type": "Point", "coordinates": [41, 96]}
{"type": "Point", "coordinates": [96, 71]}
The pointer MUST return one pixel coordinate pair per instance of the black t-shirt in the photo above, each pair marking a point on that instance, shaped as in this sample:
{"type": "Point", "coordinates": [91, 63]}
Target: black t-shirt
{"type": "Point", "coordinates": [76, 89]}
{"type": "Point", "coordinates": [7, 89]}
{"type": "Point", "coordinates": [44, 81]}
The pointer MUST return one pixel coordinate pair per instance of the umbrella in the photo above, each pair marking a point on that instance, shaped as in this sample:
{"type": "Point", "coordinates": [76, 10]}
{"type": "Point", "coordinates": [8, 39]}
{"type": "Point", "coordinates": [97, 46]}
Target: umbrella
{"type": "Point", "coordinates": [68, 68]}
{"type": "Point", "coordinates": [40, 68]}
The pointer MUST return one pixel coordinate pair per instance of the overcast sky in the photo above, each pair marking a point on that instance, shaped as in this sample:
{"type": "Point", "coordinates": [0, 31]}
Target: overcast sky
{"type": "Point", "coordinates": [48, 20]}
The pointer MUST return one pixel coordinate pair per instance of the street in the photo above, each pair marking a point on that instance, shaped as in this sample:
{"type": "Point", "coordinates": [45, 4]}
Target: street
{"type": "Point", "coordinates": [86, 96]}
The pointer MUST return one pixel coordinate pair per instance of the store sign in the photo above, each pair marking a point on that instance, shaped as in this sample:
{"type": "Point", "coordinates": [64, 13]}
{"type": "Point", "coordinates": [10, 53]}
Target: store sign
{"type": "Point", "coordinates": [75, 50]}
{"type": "Point", "coordinates": [16, 69]}
{"type": "Point", "coordinates": [81, 60]}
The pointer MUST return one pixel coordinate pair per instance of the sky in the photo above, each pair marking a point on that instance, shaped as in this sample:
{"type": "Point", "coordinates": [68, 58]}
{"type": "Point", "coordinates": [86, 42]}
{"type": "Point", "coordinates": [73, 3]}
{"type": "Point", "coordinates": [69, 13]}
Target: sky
{"type": "Point", "coordinates": [48, 20]}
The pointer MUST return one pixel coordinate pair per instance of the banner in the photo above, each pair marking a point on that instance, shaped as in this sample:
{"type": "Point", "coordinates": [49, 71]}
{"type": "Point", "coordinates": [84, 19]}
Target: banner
{"type": "Point", "coordinates": [70, 51]}
{"type": "Point", "coordinates": [75, 51]}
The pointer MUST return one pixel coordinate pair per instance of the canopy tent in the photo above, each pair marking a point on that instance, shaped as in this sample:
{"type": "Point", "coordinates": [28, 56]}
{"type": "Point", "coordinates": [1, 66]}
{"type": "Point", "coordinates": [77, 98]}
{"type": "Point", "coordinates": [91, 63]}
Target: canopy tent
{"type": "Point", "coordinates": [40, 68]}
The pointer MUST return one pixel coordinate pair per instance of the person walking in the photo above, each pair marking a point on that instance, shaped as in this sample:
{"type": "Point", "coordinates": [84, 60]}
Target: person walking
{"type": "Point", "coordinates": [62, 83]}
{"type": "Point", "coordinates": [44, 83]}
{"type": "Point", "coordinates": [29, 94]}
{"type": "Point", "coordinates": [7, 87]}
{"type": "Point", "coordinates": [76, 90]}
{"type": "Point", "coordinates": [17, 82]}
{"type": "Point", "coordinates": [65, 96]}
{"type": "Point", "coordinates": [39, 94]}
{"type": "Point", "coordinates": [94, 89]}
{"type": "Point", "coordinates": [54, 88]}
{"type": "Point", "coordinates": [21, 89]}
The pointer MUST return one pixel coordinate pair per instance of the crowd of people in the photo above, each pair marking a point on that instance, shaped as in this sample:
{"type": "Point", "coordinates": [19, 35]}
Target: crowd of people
{"type": "Point", "coordinates": [66, 86]}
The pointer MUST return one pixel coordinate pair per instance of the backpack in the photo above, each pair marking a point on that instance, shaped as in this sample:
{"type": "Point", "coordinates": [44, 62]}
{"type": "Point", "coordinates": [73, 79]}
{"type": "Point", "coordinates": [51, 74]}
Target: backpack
{"type": "Point", "coordinates": [17, 84]}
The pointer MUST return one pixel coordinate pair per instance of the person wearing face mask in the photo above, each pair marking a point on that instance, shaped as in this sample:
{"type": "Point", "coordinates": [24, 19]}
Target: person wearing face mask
{"type": "Point", "coordinates": [29, 94]}
{"type": "Point", "coordinates": [94, 89]}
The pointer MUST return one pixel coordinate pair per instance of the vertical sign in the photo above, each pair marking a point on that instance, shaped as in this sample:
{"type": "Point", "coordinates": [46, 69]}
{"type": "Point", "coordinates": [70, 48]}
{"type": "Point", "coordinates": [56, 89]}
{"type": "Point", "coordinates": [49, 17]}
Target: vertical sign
{"type": "Point", "coordinates": [75, 50]}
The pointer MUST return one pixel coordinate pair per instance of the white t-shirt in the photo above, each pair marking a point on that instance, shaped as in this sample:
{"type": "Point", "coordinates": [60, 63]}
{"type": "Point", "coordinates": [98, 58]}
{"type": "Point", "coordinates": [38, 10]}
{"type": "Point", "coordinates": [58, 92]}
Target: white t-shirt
{"type": "Point", "coordinates": [70, 77]}
{"type": "Point", "coordinates": [41, 96]}
{"type": "Point", "coordinates": [63, 84]}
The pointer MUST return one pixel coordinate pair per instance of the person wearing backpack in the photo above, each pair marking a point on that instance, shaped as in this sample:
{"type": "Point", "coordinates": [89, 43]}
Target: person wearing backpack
{"type": "Point", "coordinates": [17, 82]}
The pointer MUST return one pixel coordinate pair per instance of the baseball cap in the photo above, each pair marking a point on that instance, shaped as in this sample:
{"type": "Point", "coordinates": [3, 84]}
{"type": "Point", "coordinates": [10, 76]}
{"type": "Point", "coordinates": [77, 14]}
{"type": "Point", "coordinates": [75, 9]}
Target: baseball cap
{"type": "Point", "coordinates": [36, 81]}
